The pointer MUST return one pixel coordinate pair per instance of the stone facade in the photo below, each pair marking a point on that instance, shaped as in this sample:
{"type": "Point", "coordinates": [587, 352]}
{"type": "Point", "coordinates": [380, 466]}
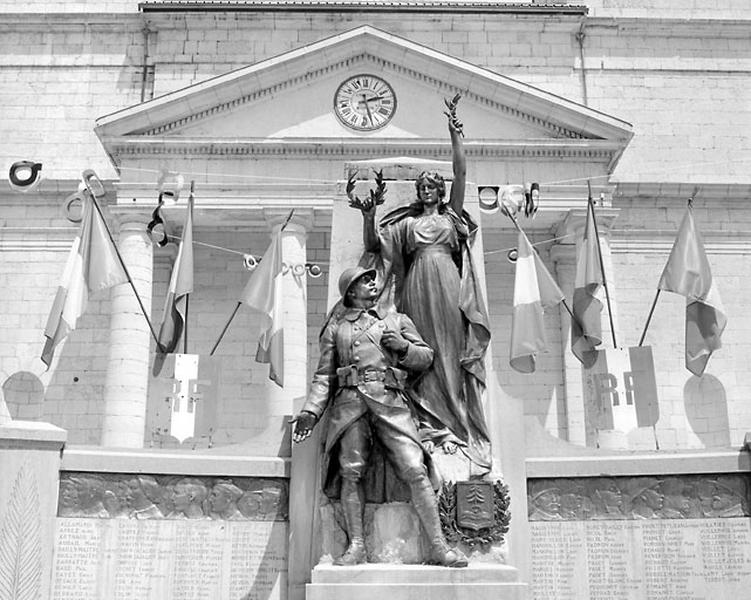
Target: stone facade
{"type": "Point", "coordinates": [680, 75]}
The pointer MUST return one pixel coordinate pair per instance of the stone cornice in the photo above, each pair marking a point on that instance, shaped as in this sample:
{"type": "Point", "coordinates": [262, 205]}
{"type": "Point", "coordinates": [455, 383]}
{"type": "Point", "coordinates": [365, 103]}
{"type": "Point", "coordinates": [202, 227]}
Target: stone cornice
{"type": "Point", "coordinates": [670, 28]}
{"type": "Point", "coordinates": [547, 8]}
{"type": "Point", "coordinates": [232, 195]}
{"type": "Point", "coordinates": [599, 151]}
{"type": "Point", "coordinates": [682, 190]}
{"type": "Point", "coordinates": [37, 239]}
{"type": "Point", "coordinates": [247, 206]}
{"type": "Point", "coordinates": [591, 462]}
{"type": "Point", "coordinates": [660, 241]}
{"type": "Point", "coordinates": [86, 22]}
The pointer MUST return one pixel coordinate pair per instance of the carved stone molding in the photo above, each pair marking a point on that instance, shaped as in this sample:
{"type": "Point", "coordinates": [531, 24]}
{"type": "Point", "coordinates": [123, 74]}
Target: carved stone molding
{"type": "Point", "coordinates": [141, 496]}
{"type": "Point", "coordinates": [599, 151]}
{"type": "Point", "coordinates": [641, 497]}
{"type": "Point", "coordinates": [661, 242]}
{"type": "Point", "coordinates": [36, 239]}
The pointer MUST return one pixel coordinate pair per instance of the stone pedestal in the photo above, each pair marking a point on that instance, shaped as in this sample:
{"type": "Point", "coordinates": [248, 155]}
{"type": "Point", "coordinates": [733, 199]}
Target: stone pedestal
{"type": "Point", "coordinates": [415, 582]}
{"type": "Point", "coordinates": [29, 467]}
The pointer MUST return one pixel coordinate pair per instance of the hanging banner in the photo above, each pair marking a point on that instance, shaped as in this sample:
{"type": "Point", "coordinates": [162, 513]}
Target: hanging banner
{"type": "Point", "coordinates": [620, 390]}
{"type": "Point", "coordinates": [183, 405]}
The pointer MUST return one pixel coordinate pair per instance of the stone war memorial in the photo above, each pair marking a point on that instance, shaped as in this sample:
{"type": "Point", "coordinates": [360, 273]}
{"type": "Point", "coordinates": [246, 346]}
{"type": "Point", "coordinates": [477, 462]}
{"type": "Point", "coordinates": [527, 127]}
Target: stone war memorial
{"type": "Point", "coordinates": [322, 300]}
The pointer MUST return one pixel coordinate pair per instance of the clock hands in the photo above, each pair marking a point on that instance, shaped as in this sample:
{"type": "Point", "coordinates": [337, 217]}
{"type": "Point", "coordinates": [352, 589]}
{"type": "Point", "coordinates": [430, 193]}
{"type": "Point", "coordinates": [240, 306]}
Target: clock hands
{"type": "Point", "coordinates": [367, 108]}
{"type": "Point", "coordinates": [365, 100]}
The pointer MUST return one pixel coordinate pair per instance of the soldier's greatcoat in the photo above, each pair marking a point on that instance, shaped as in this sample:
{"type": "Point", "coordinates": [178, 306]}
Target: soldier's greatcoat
{"type": "Point", "coordinates": [357, 376]}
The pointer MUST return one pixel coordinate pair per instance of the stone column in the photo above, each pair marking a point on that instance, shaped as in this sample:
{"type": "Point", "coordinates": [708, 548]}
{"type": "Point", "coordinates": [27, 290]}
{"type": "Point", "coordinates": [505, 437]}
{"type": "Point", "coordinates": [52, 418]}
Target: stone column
{"type": "Point", "coordinates": [564, 255]}
{"type": "Point", "coordinates": [126, 384]}
{"type": "Point", "coordinates": [284, 401]}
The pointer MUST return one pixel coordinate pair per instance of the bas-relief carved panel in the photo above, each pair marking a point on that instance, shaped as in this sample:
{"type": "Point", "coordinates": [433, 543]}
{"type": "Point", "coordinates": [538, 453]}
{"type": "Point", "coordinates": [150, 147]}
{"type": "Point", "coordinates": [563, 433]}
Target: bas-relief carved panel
{"type": "Point", "coordinates": [131, 496]}
{"type": "Point", "coordinates": [642, 497]}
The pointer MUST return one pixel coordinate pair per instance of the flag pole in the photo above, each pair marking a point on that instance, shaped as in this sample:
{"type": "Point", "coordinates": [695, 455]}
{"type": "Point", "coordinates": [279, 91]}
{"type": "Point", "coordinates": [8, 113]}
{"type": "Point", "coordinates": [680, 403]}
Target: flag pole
{"type": "Point", "coordinates": [185, 329]}
{"type": "Point", "coordinates": [563, 300]}
{"type": "Point", "coordinates": [122, 263]}
{"type": "Point", "coordinates": [187, 296]}
{"type": "Point", "coordinates": [234, 312]}
{"type": "Point", "coordinates": [221, 335]}
{"type": "Point", "coordinates": [287, 220]}
{"type": "Point", "coordinates": [649, 318]}
{"type": "Point", "coordinates": [591, 206]}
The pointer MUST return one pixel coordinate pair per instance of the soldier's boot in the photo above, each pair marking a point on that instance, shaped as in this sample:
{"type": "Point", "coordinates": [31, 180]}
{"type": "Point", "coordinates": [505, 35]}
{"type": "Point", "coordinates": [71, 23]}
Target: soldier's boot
{"type": "Point", "coordinates": [353, 506]}
{"type": "Point", "coordinates": [426, 506]}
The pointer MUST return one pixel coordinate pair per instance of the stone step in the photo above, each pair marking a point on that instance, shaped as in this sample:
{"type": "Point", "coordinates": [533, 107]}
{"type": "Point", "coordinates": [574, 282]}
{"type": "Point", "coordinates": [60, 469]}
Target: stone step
{"type": "Point", "coordinates": [396, 574]}
{"type": "Point", "coordinates": [416, 591]}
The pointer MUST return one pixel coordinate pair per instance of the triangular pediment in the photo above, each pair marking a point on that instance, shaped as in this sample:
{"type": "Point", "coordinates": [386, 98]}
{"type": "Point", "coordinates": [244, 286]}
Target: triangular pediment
{"type": "Point", "coordinates": [290, 99]}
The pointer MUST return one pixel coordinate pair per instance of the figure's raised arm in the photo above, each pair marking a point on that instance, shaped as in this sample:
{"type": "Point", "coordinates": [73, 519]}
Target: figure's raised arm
{"type": "Point", "coordinates": [368, 208]}
{"type": "Point", "coordinates": [459, 162]}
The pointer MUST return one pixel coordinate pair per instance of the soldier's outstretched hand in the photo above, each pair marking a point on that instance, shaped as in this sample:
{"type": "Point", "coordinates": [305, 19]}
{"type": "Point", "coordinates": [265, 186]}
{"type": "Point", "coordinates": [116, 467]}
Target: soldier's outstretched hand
{"type": "Point", "coordinates": [304, 423]}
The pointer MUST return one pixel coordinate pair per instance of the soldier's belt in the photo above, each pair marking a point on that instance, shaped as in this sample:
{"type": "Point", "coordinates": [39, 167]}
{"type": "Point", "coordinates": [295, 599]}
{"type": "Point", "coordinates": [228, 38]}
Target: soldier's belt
{"type": "Point", "coordinates": [391, 377]}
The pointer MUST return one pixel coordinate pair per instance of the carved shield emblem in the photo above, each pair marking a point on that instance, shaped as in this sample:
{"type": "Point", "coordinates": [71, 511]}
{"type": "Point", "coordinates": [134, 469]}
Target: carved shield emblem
{"type": "Point", "coordinates": [474, 504]}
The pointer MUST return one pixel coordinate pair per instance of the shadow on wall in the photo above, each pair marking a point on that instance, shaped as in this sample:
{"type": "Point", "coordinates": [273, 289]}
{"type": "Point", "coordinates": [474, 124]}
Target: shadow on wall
{"type": "Point", "coordinates": [272, 572]}
{"type": "Point", "coordinates": [707, 410]}
{"type": "Point", "coordinates": [24, 395]}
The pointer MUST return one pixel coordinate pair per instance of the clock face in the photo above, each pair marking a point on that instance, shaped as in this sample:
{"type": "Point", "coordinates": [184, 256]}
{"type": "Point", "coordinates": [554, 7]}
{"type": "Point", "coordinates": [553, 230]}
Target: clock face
{"type": "Point", "coordinates": [364, 102]}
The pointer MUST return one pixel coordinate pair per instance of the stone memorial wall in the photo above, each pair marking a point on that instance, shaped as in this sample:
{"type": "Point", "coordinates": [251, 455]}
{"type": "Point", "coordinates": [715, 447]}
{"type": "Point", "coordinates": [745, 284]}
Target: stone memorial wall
{"type": "Point", "coordinates": [170, 538]}
{"type": "Point", "coordinates": [675, 537]}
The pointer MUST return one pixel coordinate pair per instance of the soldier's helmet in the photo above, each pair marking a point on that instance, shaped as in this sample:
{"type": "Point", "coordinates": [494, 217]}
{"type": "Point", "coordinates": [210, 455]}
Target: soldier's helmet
{"type": "Point", "coordinates": [349, 276]}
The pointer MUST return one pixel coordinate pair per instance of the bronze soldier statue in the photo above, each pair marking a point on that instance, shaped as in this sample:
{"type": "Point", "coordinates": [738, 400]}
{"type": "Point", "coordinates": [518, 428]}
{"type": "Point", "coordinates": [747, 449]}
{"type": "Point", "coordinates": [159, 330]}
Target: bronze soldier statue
{"type": "Point", "coordinates": [366, 356]}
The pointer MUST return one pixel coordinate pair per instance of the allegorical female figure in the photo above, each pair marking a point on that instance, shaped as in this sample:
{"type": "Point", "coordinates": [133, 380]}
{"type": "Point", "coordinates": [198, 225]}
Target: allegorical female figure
{"type": "Point", "coordinates": [425, 248]}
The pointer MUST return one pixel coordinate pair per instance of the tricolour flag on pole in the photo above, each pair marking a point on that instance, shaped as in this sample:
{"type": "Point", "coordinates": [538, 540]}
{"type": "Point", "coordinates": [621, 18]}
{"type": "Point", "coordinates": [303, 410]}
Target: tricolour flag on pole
{"type": "Point", "coordinates": [92, 265]}
{"type": "Point", "coordinates": [586, 326]}
{"type": "Point", "coordinates": [687, 273]}
{"type": "Point", "coordinates": [263, 292]}
{"type": "Point", "coordinates": [534, 290]}
{"type": "Point", "coordinates": [180, 285]}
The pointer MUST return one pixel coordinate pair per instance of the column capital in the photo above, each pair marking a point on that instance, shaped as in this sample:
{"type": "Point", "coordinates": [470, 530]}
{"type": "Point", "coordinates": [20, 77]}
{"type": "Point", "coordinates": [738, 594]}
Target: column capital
{"type": "Point", "coordinates": [301, 221]}
{"type": "Point", "coordinates": [572, 224]}
{"type": "Point", "coordinates": [563, 253]}
{"type": "Point", "coordinates": [131, 216]}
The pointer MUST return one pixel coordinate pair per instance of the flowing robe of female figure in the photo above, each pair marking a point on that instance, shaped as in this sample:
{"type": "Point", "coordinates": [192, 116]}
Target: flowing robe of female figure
{"type": "Point", "coordinates": [435, 284]}
{"type": "Point", "coordinates": [422, 253]}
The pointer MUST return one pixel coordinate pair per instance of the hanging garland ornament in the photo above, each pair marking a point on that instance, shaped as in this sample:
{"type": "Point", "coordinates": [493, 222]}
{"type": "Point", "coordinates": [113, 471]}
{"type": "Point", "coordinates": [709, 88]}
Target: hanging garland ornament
{"type": "Point", "coordinates": [25, 175]}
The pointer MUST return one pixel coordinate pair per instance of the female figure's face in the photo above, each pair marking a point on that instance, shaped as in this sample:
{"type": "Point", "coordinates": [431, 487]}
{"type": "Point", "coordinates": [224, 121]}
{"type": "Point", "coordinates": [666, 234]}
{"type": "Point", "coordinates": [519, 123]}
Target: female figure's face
{"type": "Point", "coordinates": [427, 192]}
